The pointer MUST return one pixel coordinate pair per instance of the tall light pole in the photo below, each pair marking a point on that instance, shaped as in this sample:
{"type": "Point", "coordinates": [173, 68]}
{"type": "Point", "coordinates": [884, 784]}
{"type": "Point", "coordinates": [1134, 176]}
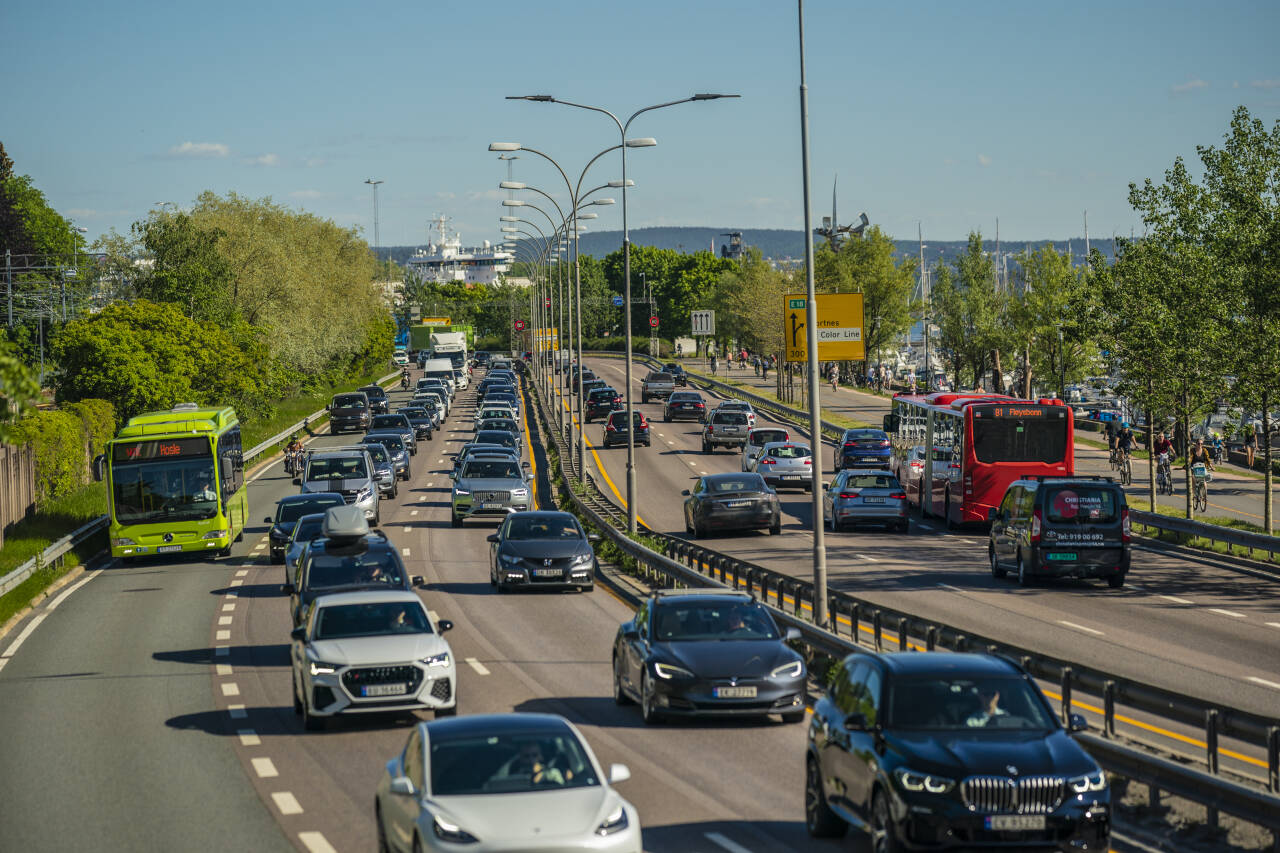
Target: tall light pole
{"type": "Point", "coordinates": [376, 243]}
{"type": "Point", "coordinates": [626, 258]}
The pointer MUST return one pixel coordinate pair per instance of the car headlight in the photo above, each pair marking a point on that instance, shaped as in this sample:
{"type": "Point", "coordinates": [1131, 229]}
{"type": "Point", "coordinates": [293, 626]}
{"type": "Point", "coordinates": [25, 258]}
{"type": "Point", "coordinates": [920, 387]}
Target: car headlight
{"type": "Point", "coordinates": [519, 493]}
{"type": "Point", "coordinates": [364, 494]}
{"type": "Point", "coordinates": [1089, 782]}
{"type": "Point", "coordinates": [446, 831]}
{"type": "Point", "coordinates": [319, 667]}
{"type": "Point", "coordinates": [615, 822]}
{"type": "Point", "coordinates": [441, 659]}
{"type": "Point", "coordinates": [788, 670]}
{"type": "Point", "coordinates": [912, 781]}
{"type": "Point", "coordinates": [509, 559]}
{"type": "Point", "coordinates": [582, 559]}
{"type": "Point", "coordinates": [669, 671]}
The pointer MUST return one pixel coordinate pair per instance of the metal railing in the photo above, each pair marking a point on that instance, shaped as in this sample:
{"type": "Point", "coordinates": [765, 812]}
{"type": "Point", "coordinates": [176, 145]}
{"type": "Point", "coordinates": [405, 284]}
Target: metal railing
{"type": "Point", "coordinates": [883, 628]}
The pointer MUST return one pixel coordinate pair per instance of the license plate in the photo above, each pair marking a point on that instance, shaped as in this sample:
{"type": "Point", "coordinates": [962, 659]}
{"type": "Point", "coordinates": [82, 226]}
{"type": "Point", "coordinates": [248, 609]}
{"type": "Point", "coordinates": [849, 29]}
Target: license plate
{"type": "Point", "coordinates": [734, 504]}
{"type": "Point", "coordinates": [873, 500]}
{"type": "Point", "coordinates": [383, 689]}
{"type": "Point", "coordinates": [1007, 822]}
{"type": "Point", "coordinates": [870, 459]}
{"type": "Point", "coordinates": [165, 549]}
{"type": "Point", "coordinates": [733, 692]}
{"type": "Point", "coordinates": [793, 476]}
{"type": "Point", "coordinates": [491, 506]}
{"type": "Point", "coordinates": [1062, 556]}
{"type": "Point", "coordinates": [547, 573]}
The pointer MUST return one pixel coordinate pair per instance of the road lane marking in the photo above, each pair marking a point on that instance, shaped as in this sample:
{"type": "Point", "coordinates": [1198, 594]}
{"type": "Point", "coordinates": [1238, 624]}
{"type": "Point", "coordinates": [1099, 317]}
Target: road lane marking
{"type": "Point", "coordinates": [731, 846]}
{"type": "Point", "coordinates": [1264, 682]}
{"type": "Point", "coordinates": [287, 803]}
{"type": "Point", "coordinates": [26, 632]}
{"type": "Point", "coordinates": [407, 529]}
{"type": "Point", "coordinates": [237, 712]}
{"type": "Point", "coordinates": [242, 573]}
{"type": "Point", "coordinates": [248, 737]}
{"type": "Point", "coordinates": [1274, 624]}
{"type": "Point", "coordinates": [1176, 600]}
{"type": "Point", "coordinates": [225, 620]}
{"type": "Point", "coordinates": [480, 668]}
{"type": "Point", "coordinates": [950, 587]}
{"type": "Point", "coordinates": [404, 551]}
{"type": "Point", "coordinates": [422, 497]}
{"type": "Point", "coordinates": [237, 582]}
{"type": "Point", "coordinates": [315, 842]}
{"type": "Point", "coordinates": [230, 688]}
{"type": "Point", "coordinates": [222, 635]}
{"type": "Point", "coordinates": [868, 559]}
{"type": "Point", "coordinates": [66, 592]}
{"type": "Point", "coordinates": [413, 512]}
{"type": "Point", "coordinates": [1230, 613]}
{"type": "Point", "coordinates": [228, 607]}
{"type": "Point", "coordinates": [259, 546]}
{"type": "Point", "coordinates": [223, 668]}
{"type": "Point", "coordinates": [265, 768]}
{"type": "Point", "coordinates": [1080, 627]}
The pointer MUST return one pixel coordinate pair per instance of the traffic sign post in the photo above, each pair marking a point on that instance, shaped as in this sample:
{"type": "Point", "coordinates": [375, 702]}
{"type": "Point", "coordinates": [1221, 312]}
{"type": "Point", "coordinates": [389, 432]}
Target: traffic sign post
{"type": "Point", "coordinates": [653, 321]}
{"type": "Point", "coordinates": [519, 325]}
{"type": "Point", "coordinates": [703, 322]}
{"type": "Point", "coordinates": [617, 302]}
{"type": "Point", "coordinates": [839, 327]}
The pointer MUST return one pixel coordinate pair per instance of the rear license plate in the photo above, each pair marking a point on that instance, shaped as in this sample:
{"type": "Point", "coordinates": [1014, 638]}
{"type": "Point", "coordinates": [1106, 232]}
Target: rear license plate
{"type": "Point", "coordinates": [733, 692]}
{"type": "Point", "coordinates": [491, 506]}
{"type": "Point", "coordinates": [383, 689]}
{"type": "Point", "coordinates": [873, 500]}
{"type": "Point", "coordinates": [736, 504]}
{"type": "Point", "coordinates": [547, 573]}
{"type": "Point", "coordinates": [793, 476]}
{"type": "Point", "coordinates": [1062, 555]}
{"type": "Point", "coordinates": [870, 459]}
{"type": "Point", "coordinates": [1004, 823]}
{"type": "Point", "coordinates": [165, 549]}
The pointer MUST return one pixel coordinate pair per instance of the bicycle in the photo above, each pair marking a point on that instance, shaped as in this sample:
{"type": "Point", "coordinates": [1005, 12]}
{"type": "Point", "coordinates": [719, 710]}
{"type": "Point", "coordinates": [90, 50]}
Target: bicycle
{"type": "Point", "coordinates": [1126, 469]}
{"type": "Point", "coordinates": [1164, 475]}
{"type": "Point", "coordinates": [1201, 477]}
{"type": "Point", "coordinates": [1114, 458]}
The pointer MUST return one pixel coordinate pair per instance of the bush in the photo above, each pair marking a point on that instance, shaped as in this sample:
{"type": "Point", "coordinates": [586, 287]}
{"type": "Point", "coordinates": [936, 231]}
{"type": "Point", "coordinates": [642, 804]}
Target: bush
{"type": "Point", "coordinates": [98, 419]}
{"type": "Point", "coordinates": [57, 437]}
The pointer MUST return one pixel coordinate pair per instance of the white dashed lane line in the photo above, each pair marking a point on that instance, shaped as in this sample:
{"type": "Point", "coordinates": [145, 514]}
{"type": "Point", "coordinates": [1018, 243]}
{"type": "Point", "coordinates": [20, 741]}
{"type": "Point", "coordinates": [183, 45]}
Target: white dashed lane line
{"type": "Point", "coordinates": [1080, 628]}
{"type": "Point", "coordinates": [228, 607]}
{"type": "Point", "coordinates": [223, 669]}
{"type": "Point", "coordinates": [230, 688]}
{"type": "Point", "coordinates": [242, 572]}
{"type": "Point", "coordinates": [222, 635]}
{"type": "Point", "coordinates": [248, 737]}
{"type": "Point", "coordinates": [1176, 600]}
{"type": "Point", "coordinates": [1274, 624]}
{"type": "Point", "coordinates": [315, 842]}
{"type": "Point", "coordinates": [480, 668]}
{"type": "Point", "coordinates": [404, 551]}
{"type": "Point", "coordinates": [1230, 613]}
{"type": "Point", "coordinates": [287, 803]}
{"type": "Point", "coordinates": [413, 512]}
{"type": "Point", "coordinates": [868, 559]}
{"type": "Point", "coordinates": [222, 651]}
{"type": "Point", "coordinates": [225, 620]}
{"type": "Point", "coordinates": [265, 768]}
{"type": "Point", "coordinates": [237, 712]}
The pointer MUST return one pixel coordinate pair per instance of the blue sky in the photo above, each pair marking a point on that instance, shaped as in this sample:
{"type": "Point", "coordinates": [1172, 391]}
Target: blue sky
{"type": "Point", "coordinates": [951, 114]}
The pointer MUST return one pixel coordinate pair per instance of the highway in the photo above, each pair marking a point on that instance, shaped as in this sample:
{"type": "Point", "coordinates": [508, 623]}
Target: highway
{"type": "Point", "coordinates": [147, 705]}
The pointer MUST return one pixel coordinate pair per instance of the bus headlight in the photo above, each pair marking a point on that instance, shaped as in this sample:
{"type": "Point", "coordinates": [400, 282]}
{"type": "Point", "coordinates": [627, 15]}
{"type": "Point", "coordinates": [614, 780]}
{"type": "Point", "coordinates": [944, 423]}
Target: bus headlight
{"type": "Point", "coordinates": [122, 541]}
{"type": "Point", "coordinates": [214, 534]}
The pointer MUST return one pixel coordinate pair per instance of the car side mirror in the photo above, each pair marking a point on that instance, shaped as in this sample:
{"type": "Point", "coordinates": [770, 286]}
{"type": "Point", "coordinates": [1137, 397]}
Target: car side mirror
{"type": "Point", "coordinates": [402, 786]}
{"type": "Point", "coordinates": [618, 773]}
{"type": "Point", "coordinates": [1077, 723]}
{"type": "Point", "coordinates": [444, 625]}
{"type": "Point", "coordinates": [792, 635]}
{"type": "Point", "coordinates": [630, 634]}
{"type": "Point", "coordinates": [418, 580]}
{"type": "Point", "coordinates": [685, 492]}
{"type": "Point", "coordinates": [268, 520]}
{"type": "Point", "coordinates": [855, 722]}
{"type": "Point", "coordinates": [492, 537]}
{"type": "Point", "coordinates": [99, 467]}
{"type": "Point", "coordinates": [298, 633]}
{"type": "Point", "coordinates": [297, 481]}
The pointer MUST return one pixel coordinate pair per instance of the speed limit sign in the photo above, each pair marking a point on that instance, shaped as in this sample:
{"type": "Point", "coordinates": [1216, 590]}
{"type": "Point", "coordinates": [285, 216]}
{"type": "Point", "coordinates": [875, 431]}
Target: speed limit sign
{"type": "Point", "coordinates": [519, 325]}
{"type": "Point", "coordinates": [653, 321]}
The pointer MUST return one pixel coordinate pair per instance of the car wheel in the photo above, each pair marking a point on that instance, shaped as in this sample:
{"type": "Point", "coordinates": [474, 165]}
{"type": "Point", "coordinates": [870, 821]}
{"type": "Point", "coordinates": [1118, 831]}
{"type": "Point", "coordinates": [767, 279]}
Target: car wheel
{"type": "Point", "coordinates": [793, 716]}
{"type": "Point", "coordinates": [699, 532]}
{"type": "Point", "coordinates": [620, 696]}
{"type": "Point", "coordinates": [456, 520]}
{"type": "Point", "coordinates": [275, 561]}
{"type": "Point", "coordinates": [405, 477]}
{"type": "Point", "coordinates": [395, 489]}
{"type": "Point", "coordinates": [451, 711]}
{"type": "Point", "coordinates": [776, 527]}
{"type": "Point", "coordinates": [1116, 581]}
{"type": "Point", "coordinates": [819, 819]}
{"type": "Point", "coordinates": [883, 839]}
{"type": "Point", "coordinates": [648, 703]}
{"type": "Point", "coordinates": [297, 703]}
{"type": "Point", "coordinates": [996, 571]}
{"type": "Point", "coordinates": [417, 844]}
{"type": "Point", "coordinates": [1024, 579]}
{"type": "Point", "coordinates": [383, 847]}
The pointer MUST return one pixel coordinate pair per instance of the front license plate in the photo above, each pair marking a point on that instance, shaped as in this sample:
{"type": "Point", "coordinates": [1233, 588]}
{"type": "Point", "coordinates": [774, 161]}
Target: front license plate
{"type": "Point", "coordinates": [165, 549]}
{"type": "Point", "coordinates": [1004, 823]}
{"type": "Point", "coordinates": [1061, 555]}
{"type": "Point", "coordinates": [734, 692]}
{"type": "Point", "coordinates": [383, 689]}
{"type": "Point", "coordinates": [547, 573]}
{"type": "Point", "coordinates": [873, 500]}
{"type": "Point", "coordinates": [491, 506]}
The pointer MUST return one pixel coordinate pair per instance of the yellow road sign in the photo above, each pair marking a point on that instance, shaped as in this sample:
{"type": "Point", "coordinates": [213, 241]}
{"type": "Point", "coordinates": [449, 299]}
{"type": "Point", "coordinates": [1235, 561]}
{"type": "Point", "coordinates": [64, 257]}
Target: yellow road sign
{"type": "Point", "coordinates": [437, 321]}
{"type": "Point", "coordinates": [839, 327]}
{"type": "Point", "coordinates": [547, 338]}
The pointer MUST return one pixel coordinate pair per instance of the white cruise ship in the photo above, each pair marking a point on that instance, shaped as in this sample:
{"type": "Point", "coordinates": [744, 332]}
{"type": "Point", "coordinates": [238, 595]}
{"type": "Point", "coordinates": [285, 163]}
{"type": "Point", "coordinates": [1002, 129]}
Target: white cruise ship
{"type": "Point", "coordinates": [445, 260]}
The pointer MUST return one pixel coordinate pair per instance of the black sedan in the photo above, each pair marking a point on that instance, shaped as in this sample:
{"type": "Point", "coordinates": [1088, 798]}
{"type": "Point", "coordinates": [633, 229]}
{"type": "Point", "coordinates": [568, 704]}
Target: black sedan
{"type": "Point", "coordinates": [424, 425]}
{"type": "Point", "coordinates": [506, 438]}
{"type": "Point", "coordinates": [291, 508]}
{"type": "Point", "coordinates": [542, 550]}
{"type": "Point", "coordinates": [707, 652]}
{"type": "Point", "coordinates": [677, 373]}
{"type": "Point", "coordinates": [601, 403]}
{"type": "Point", "coordinates": [937, 750]}
{"type": "Point", "coordinates": [684, 406]}
{"type": "Point", "coordinates": [395, 423]}
{"type": "Point", "coordinates": [731, 502]}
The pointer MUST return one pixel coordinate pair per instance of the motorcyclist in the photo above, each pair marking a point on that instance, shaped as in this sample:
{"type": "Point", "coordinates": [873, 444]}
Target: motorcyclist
{"type": "Point", "coordinates": [293, 453]}
{"type": "Point", "coordinates": [404, 379]}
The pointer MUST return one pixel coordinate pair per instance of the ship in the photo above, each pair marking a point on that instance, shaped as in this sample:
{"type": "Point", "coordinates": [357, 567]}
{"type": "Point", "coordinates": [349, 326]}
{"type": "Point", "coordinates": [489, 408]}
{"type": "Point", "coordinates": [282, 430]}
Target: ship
{"type": "Point", "coordinates": [445, 260]}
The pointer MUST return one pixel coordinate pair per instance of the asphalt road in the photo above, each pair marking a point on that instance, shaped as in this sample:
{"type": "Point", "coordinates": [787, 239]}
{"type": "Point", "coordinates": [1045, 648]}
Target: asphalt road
{"type": "Point", "coordinates": [150, 707]}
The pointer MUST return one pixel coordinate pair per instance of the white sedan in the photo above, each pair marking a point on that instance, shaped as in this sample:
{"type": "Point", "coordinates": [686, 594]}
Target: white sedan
{"type": "Point", "coordinates": [506, 782]}
{"type": "Point", "coordinates": [371, 652]}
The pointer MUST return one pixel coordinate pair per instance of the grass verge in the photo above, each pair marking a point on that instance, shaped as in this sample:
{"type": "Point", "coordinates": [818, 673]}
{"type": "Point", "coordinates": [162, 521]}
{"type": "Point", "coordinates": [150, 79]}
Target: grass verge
{"type": "Point", "coordinates": [1198, 542]}
{"type": "Point", "coordinates": [296, 408]}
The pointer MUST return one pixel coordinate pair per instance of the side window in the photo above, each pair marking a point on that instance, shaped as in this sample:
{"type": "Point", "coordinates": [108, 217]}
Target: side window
{"type": "Point", "coordinates": [412, 760]}
{"type": "Point", "coordinates": [1026, 503]}
{"type": "Point", "coordinates": [230, 462]}
{"type": "Point", "coordinates": [848, 690]}
{"type": "Point", "coordinates": [1010, 498]}
{"type": "Point", "coordinates": [642, 620]}
{"type": "Point", "coordinates": [869, 700]}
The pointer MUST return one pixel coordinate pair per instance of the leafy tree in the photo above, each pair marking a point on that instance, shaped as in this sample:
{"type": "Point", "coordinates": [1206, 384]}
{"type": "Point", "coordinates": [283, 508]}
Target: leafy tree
{"type": "Point", "coordinates": [749, 302]}
{"type": "Point", "coordinates": [868, 266]}
{"type": "Point", "coordinates": [19, 388]}
{"type": "Point", "coordinates": [188, 270]}
{"type": "Point", "coordinates": [43, 230]}
{"type": "Point", "coordinates": [1050, 301]}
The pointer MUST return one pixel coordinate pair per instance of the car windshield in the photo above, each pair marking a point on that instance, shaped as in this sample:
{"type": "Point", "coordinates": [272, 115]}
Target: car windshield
{"type": "Point", "coordinates": [393, 443]}
{"type": "Point", "coordinates": [1082, 505]}
{"type": "Point", "coordinates": [871, 481]}
{"type": "Point", "coordinates": [413, 412]}
{"type": "Point", "coordinates": [790, 451]}
{"type": "Point", "coordinates": [745, 483]}
{"type": "Point", "coordinates": [348, 402]}
{"type": "Point", "coordinates": [486, 414]}
{"type": "Point", "coordinates": [485, 469]}
{"type": "Point", "coordinates": [712, 620]}
{"type": "Point", "coordinates": [739, 418]}
{"type": "Point", "coordinates": [966, 704]}
{"type": "Point", "coordinates": [496, 436]}
{"type": "Point", "coordinates": [308, 528]}
{"type": "Point", "coordinates": [471, 764]}
{"type": "Point", "coordinates": [337, 468]}
{"type": "Point", "coordinates": [866, 435]}
{"type": "Point", "coordinates": [387, 422]}
{"type": "Point", "coordinates": [338, 566]}
{"type": "Point", "coordinates": [507, 398]}
{"type": "Point", "coordinates": [294, 510]}
{"type": "Point", "coordinates": [342, 621]}
{"type": "Point", "coordinates": [528, 526]}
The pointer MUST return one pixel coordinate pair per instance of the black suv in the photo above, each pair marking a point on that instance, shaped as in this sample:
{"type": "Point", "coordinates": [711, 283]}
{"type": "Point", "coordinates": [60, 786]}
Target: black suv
{"type": "Point", "coordinates": [1053, 527]}
{"type": "Point", "coordinates": [677, 373]}
{"type": "Point", "coordinates": [938, 750]}
{"type": "Point", "coordinates": [348, 411]}
{"type": "Point", "coordinates": [684, 405]}
{"type": "Point", "coordinates": [601, 402]}
{"type": "Point", "coordinates": [615, 429]}
{"type": "Point", "coordinates": [378, 402]}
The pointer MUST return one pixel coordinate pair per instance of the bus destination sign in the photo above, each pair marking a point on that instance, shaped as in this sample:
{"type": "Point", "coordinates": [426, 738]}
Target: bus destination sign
{"type": "Point", "coordinates": [159, 450]}
{"type": "Point", "coordinates": [1016, 411]}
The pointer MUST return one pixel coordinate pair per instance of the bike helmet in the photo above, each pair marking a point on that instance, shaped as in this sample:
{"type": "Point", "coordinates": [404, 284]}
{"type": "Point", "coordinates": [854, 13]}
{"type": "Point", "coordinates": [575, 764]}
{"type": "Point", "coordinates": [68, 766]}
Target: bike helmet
{"type": "Point", "coordinates": [1124, 425]}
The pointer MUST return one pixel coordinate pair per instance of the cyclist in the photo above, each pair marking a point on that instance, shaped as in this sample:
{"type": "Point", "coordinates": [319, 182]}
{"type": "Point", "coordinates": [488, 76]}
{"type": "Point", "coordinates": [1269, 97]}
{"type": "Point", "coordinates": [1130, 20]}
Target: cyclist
{"type": "Point", "coordinates": [1219, 452]}
{"type": "Point", "coordinates": [1200, 455]}
{"type": "Point", "coordinates": [1125, 440]}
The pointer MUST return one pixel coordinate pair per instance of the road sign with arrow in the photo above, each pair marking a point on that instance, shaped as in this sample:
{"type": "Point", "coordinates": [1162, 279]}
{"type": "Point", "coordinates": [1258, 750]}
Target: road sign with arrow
{"type": "Point", "coordinates": [839, 327]}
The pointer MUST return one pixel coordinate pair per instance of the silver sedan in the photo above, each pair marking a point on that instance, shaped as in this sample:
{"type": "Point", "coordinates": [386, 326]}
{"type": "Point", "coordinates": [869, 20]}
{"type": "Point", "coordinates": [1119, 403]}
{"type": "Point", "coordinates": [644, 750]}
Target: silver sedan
{"type": "Point", "coordinates": [503, 782]}
{"type": "Point", "coordinates": [785, 465]}
{"type": "Point", "coordinates": [870, 496]}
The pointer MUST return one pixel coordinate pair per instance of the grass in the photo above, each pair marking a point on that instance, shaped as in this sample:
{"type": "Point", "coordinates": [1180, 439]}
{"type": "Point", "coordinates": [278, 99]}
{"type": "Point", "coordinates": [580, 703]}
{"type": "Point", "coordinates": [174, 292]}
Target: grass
{"type": "Point", "coordinates": [291, 411]}
{"type": "Point", "coordinates": [827, 414]}
{"type": "Point", "coordinates": [1198, 542]}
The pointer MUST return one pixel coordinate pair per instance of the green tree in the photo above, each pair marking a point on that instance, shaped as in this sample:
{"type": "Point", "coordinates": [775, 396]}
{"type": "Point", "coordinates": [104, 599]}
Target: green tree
{"type": "Point", "coordinates": [868, 266]}
{"type": "Point", "coordinates": [1042, 320]}
{"type": "Point", "coordinates": [19, 388]}
{"type": "Point", "coordinates": [188, 269]}
{"type": "Point", "coordinates": [748, 300]}
{"type": "Point", "coordinates": [43, 230]}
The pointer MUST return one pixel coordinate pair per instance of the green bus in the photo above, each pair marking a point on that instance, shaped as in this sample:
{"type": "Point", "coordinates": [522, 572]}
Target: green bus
{"type": "Point", "coordinates": [175, 482]}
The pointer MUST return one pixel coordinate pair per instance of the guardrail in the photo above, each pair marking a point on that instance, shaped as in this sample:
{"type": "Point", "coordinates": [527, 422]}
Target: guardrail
{"type": "Point", "coordinates": [789, 598]}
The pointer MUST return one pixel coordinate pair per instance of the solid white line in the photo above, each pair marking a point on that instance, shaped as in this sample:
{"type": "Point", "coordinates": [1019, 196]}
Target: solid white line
{"type": "Point", "coordinates": [731, 846]}
{"type": "Point", "coordinates": [66, 592]}
{"type": "Point", "coordinates": [1264, 682]}
{"type": "Point", "coordinates": [265, 768]}
{"type": "Point", "coordinates": [237, 712]}
{"type": "Point", "coordinates": [1176, 600]}
{"type": "Point", "coordinates": [222, 669]}
{"type": "Point", "coordinates": [225, 620]}
{"type": "Point", "coordinates": [286, 802]}
{"type": "Point", "coordinates": [316, 842]}
{"type": "Point", "coordinates": [248, 737]}
{"type": "Point", "coordinates": [3, 661]}
{"type": "Point", "coordinates": [868, 559]}
{"type": "Point", "coordinates": [1274, 624]}
{"type": "Point", "coordinates": [1080, 627]}
{"type": "Point", "coordinates": [950, 587]}
{"type": "Point", "coordinates": [1230, 613]}
{"type": "Point", "coordinates": [480, 668]}
{"type": "Point", "coordinates": [222, 635]}
{"type": "Point", "coordinates": [230, 688]}
{"type": "Point", "coordinates": [26, 632]}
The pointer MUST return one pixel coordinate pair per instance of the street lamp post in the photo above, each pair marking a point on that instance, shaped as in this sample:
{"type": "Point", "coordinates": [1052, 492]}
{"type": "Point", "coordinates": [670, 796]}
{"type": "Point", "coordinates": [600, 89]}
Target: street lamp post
{"type": "Point", "coordinates": [626, 258]}
{"type": "Point", "coordinates": [371, 182]}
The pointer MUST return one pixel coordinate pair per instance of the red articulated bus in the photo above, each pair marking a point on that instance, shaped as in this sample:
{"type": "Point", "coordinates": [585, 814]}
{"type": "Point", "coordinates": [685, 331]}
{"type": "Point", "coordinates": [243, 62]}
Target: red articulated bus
{"type": "Point", "coordinates": [981, 443]}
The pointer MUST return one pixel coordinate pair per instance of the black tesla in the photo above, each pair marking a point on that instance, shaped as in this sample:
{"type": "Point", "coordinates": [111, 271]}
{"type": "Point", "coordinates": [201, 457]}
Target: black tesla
{"type": "Point", "coordinates": [731, 502]}
{"type": "Point", "coordinates": [542, 550]}
{"type": "Point", "coordinates": [707, 653]}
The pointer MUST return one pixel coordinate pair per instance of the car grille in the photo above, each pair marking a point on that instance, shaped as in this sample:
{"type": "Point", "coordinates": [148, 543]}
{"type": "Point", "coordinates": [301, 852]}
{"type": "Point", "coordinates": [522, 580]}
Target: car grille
{"type": "Point", "coordinates": [491, 497]}
{"type": "Point", "coordinates": [442, 690]}
{"type": "Point", "coordinates": [354, 679]}
{"type": "Point", "coordinates": [350, 497]}
{"type": "Point", "coordinates": [1002, 795]}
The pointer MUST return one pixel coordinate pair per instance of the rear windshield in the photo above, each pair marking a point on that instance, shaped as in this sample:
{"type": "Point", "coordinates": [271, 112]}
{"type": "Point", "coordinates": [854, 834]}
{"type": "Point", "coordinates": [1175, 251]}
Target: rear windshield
{"type": "Point", "coordinates": [387, 422]}
{"type": "Point", "coordinates": [731, 417]}
{"type": "Point", "coordinates": [375, 565]}
{"type": "Point", "coordinates": [791, 451]}
{"type": "Point", "coordinates": [866, 435]}
{"type": "Point", "coordinates": [374, 391]}
{"type": "Point", "coordinates": [1082, 505]}
{"type": "Point", "coordinates": [602, 394]}
{"type": "Point", "coordinates": [745, 483]}
{"type": "Point", "coordinates": [348, 401]}
{"type": "Point", "coordinates": [764, 436]}
{"type": "Point", "coordinates": [686, 397]}
{"type": "Point", "coordinates": [496, 436]}
{"type": "Point", "coordinates": [1019, 440]}
{"type": "Point", "coordinates": [394, 443]}
{"type": "Point", "coordinates": [871, 481]}
{"type": "Point", "coordinates": [661, 377]}
{"type": "Point", "coordinates": [619, 419]}
{"type": "Point", "coordinates": [505, 424]}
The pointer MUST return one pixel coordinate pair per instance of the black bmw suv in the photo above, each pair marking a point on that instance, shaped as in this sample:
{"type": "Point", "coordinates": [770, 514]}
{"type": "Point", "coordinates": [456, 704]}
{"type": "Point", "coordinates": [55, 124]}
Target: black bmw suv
{"type": "Point", "coordinates": [939, 750]}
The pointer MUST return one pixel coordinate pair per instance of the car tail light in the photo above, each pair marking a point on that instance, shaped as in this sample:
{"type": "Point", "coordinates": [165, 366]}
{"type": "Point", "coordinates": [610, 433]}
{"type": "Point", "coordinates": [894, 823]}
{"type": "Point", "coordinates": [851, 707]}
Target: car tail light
{"type": "Point", "coordinates": [808, 461]}
{"type": "Point", "coordinates": [711, 428]}
{"type": "Point", "coordinates": [850, 445]}
{"type": "Point", "coordinates": [899, 496]}
{"type": "Point", "coordinates": [884, 442]}
{"type": "Point", "coordinates": [699, 405]}
{"type": "Point", "coordinates": [849, 494]}
{"type": "Point", "coordinates": [768, 461]}
{"type": "Point", "coordinates": [916, 463]}
{"type": "Point", "coordinates": [609, 427]}
{"type": "Point", "coordinates": [1035, 527]}
{"type": "Point", "coordinates": [1125, 529]}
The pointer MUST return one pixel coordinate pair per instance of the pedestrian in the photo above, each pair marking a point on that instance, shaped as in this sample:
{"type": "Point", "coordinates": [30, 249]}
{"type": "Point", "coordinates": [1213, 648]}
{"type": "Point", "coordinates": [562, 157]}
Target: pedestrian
{"type": "Point", "coordinates": [1250, 443]}
{"type": "Point", "coordinates": [713, 364]}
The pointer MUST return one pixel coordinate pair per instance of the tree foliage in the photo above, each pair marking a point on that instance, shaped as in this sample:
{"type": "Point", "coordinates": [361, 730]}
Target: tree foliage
{"type": "Point", "coordinates": [868, 266]}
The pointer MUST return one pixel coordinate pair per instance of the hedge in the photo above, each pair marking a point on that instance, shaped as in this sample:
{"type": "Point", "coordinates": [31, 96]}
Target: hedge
{"type": "Point", "coordinates": [64, 441]}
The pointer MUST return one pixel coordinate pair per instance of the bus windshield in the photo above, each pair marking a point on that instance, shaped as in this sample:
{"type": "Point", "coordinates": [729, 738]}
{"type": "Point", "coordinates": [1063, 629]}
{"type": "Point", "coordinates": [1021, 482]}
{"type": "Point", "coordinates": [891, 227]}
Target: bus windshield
{"type": "Point", "coordinates": [1011, 439]}
{"type": "Point", "coordinates": [180, 490]}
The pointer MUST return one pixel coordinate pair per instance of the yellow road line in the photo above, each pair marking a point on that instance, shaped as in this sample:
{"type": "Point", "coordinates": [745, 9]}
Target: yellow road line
{"type": "Point", "coordinates": [533, 460]}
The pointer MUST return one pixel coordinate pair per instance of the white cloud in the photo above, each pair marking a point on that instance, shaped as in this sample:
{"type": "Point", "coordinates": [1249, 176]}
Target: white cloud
{"type": "Point", "coordinates": [264, 160]}
{"type": "Point", "coordinates": [984, 160]}
{"type": "Point", "coordinates": [1265, 84]}
{"type": "Point", "coordinates": [315, 162]}
{"type": "Point", "coordinates": [1189, 86]}
{"type": "Point", "coordinates": [446, 196]}
{"type": "Point", "coordinates": [199, 149]}
{"type": "Point", "coordinates": [308, 194]}
{"type": "Point", "coordinates": [487, 195]}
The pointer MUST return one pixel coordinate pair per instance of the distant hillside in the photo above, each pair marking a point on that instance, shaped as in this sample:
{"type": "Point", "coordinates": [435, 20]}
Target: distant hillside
{"type": "Point", "coordinates": [774, 243]}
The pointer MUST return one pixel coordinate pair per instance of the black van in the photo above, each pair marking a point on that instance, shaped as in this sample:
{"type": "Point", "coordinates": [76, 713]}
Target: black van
{"type": "Point", "coordinates": [1053, 527]}
{"type": "Point", "coordinates": [378, 402]}
{"type": "Point", "coordinates": [349, 411]}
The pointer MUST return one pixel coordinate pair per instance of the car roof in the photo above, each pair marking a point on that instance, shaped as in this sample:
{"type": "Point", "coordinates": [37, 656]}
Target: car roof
{"type": "Point", "coordinates": [960, 664]}
{"type": "Point", "coordinates": [307, 497]}
{"type": "Point", "coordinates": [1034, 482]}
{"type": "Point", "coordinates": [788, 443]}
{"type": "Point", "coordinates": [339, 454]}
{"type": "Point", "coordinates": [717, 478]}
{"type": "Point", "coordinates": [472, 725]}
{"type": "Point", "coordinates": [726, 596]}
{"type": "Point", "coordinates": [373, 596]}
